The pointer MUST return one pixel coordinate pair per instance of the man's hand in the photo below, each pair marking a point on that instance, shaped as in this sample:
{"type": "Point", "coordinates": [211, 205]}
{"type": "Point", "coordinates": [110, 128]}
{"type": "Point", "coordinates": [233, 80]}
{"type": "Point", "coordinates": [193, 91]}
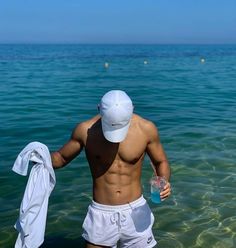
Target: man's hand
{"type": "Point", "coordinates": [166, 192]}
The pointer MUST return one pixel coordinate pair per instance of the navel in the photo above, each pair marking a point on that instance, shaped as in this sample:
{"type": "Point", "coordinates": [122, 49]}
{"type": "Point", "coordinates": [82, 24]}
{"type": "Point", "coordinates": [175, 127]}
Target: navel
{"type": "Point", "coordinates": [118, 192]}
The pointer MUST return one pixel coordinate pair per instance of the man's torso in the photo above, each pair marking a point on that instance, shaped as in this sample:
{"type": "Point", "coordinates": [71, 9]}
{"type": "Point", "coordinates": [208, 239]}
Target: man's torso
{"type": "Point", "coordinates": [115, 167]}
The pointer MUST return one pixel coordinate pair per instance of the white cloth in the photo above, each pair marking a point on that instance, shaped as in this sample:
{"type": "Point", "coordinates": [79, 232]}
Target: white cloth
{"type": "Point", "coordinates": [33, 210]}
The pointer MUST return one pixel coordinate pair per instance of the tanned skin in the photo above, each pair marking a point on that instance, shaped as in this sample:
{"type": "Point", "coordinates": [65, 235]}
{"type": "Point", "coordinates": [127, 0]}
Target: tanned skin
{"type": "Point", "coordinates": [116, 167]}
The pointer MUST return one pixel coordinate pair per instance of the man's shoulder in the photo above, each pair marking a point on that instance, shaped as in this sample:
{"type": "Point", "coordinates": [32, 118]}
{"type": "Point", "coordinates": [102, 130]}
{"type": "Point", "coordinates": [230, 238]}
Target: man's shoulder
{"type": "Point", "coordinates": [82, 127]}
{"type": "Point", "coordinates": [147, 127]}
{"type": "Point", "coordinates": [143, 123]}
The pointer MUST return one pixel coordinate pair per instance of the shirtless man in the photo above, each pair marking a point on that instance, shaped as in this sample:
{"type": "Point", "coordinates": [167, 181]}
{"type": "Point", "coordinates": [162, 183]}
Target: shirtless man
{"type": "Point", "coordinates": [115, 144]}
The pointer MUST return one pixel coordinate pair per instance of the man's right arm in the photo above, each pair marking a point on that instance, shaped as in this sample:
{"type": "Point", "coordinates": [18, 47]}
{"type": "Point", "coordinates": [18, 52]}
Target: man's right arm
{"type": "Point", "coordinates": [70, 150]}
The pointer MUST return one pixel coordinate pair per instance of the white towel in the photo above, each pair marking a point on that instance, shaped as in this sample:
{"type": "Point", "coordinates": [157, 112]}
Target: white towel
{"type": "Point", "coordinates": [33, 210]}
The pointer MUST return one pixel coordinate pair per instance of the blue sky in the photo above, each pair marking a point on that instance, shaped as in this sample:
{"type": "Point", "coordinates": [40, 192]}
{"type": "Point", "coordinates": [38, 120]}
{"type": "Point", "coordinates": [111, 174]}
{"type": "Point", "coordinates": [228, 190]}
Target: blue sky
{"type": "Point", "coordinates": [120, 21]}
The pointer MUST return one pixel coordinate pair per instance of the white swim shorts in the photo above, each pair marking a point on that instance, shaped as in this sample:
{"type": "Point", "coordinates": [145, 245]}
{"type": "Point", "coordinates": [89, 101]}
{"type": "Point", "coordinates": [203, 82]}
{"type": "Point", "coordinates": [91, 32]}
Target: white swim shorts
{"type": "Point", "coordinates": [129, 224]}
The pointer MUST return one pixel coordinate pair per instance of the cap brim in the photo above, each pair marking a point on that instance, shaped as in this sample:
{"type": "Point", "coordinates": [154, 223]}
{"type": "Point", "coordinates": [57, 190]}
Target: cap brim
{"type": "Point", "coordinates": [114, 135]}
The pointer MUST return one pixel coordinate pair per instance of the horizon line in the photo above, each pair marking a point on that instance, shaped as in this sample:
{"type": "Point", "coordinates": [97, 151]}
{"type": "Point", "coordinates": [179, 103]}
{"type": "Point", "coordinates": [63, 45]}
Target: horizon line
{"type": "Point", "coordinates": [100, 43]}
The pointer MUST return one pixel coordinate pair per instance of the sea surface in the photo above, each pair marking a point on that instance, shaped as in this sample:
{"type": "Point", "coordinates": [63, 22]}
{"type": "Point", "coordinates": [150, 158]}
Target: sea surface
{"type": "Point", "coordinates": [188, 91]}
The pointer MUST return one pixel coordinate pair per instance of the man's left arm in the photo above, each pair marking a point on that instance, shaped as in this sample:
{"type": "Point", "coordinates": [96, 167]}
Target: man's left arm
{"type": "Point", "coordinates": [158, 158]}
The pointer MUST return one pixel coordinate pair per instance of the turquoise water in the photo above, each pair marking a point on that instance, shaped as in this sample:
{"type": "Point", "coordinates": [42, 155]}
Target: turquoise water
{"type": "Point", "coordinates": [46, 89]}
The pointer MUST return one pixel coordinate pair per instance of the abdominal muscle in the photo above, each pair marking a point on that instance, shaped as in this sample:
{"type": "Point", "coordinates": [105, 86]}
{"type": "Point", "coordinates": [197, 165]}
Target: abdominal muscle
{"type": "Point", "coordinates": [118, 185]}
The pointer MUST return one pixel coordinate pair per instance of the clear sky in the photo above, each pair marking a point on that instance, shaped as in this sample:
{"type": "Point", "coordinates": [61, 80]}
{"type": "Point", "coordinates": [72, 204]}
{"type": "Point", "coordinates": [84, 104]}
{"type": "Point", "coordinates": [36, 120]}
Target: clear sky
{"type": "Point", "coordinates": [118, 21]}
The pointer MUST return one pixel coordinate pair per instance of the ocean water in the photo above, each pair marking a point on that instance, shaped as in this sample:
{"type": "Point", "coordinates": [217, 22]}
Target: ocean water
{"type": "Point", "coordinates": [45, 90]}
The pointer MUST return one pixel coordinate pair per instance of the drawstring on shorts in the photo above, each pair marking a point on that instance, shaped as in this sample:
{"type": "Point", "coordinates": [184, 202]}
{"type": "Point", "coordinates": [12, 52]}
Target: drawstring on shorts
{"type": "Point", "coordinates": [118, 218]}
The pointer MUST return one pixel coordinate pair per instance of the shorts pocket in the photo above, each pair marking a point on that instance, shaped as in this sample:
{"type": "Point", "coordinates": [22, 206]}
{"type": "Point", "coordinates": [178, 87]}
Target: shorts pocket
{"type": "Point", "coordinates": [142, 218]}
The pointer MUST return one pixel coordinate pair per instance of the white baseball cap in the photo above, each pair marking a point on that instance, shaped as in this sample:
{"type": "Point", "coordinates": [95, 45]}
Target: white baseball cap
{"type": "Point", "coordinates": [116, 110]}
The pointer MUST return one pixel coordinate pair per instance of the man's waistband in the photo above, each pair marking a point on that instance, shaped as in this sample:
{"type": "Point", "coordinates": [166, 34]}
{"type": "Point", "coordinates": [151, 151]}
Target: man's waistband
{"type": "Point", "coordinates": [111, 208]}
